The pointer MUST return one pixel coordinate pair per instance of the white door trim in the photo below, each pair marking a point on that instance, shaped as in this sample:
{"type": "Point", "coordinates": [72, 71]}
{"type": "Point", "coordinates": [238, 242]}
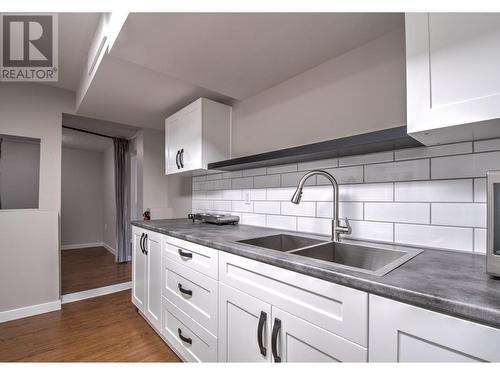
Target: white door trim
{"type": "Point", "coordinates": [91, 293]}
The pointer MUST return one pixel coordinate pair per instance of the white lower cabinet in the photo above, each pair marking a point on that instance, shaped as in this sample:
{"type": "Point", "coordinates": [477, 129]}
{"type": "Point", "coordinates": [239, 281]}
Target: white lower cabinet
{"type": "Point", "coordinates": [406, 333]}
{"type": "Point", "coordinates": [244, 327]}
{"type": "Point", "coordinates": [214, 306]}
{"type": "Point", "coordinates": [295, 340]}
{"type": "Point", "coordinates": [146, 274]}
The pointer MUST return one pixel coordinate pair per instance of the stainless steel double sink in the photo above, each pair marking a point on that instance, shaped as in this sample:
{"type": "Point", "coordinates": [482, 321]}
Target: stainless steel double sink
{"type": "Point", "coordinates": [374, 259]}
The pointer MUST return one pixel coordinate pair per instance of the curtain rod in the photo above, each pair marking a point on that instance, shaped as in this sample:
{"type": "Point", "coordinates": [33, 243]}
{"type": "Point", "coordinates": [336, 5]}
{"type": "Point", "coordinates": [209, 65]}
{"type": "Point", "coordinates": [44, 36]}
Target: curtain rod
{"type": "Point", "coordinates": [89, 132]}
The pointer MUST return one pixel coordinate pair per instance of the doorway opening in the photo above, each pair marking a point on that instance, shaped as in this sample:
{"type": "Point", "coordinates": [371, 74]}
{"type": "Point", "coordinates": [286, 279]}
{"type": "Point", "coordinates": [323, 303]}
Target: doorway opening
{"type": "Point", "coordinates": [88, 209]}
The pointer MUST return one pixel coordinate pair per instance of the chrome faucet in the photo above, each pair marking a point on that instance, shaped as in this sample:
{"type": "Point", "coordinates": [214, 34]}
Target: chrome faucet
{"type": "Point", "coordinates": [336, 228]}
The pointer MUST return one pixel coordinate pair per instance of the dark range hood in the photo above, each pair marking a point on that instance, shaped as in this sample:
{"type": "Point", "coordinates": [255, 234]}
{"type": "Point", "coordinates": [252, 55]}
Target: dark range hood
{"type": "Point", "coordinates": [378, 141]}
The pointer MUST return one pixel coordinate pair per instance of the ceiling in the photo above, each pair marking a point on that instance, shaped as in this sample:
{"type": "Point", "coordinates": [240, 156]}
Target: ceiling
{"type": "Point", "coordinates": [163, 61]}
{"type": "Point", "coordinates": [75, 35]}
{"type": "Point", "coordinates": [240, 55]}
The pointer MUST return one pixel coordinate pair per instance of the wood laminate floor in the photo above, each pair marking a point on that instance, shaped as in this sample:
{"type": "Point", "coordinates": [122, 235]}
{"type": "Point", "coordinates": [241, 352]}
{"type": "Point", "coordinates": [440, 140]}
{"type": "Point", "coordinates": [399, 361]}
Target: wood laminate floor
{"type": "Point", "coordinates": [89, 268]}
{"type": "Point", "coordinates": [102, 329]}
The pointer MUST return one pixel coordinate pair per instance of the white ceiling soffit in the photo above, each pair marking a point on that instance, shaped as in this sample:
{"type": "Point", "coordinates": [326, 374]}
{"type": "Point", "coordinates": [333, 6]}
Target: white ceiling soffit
{"type": "Point", "coordinates": [130, 94]}
{"type": "Point", "coordinates": [240, 55]}
{"type": "Point", "coordinates": [76, 31]}
{"type": "Point", "coordinates": [83, 141]}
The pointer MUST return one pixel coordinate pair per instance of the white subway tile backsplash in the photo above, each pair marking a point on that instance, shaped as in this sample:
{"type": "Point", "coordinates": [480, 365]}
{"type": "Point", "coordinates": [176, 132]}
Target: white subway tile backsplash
{"type": "Point", "coordinates": [317, 193]}
{"type": "Point", "coordinates": [480, 241]}
{"type": "Point", "coordinates": [417, 213]}
{"type": "Point", "coordinates": [233, 174]}
{"type": "Point", "coordinates": [254, 172]}
{"type": "Point", "coordinates": [213, 176]}
{"type": "Point", "coordinates": [318, 164]}
{"type": "Point", "coordinates": [232, 195]}
{"type": "Point", "coordinates": [459, 214]}
{"type": "Point", "coordinates": [350, 210]}
{"type": "Point", "coordinates": [282, 169]}
{"type": "Point", "coordinates": [258, 194]}
{"type": "Point", "coordinates": [292, 179]}
{"type": "Point", "coordinates": [314, 225]}
{"type": "Point", "coordinates": [434, 191]}
{"type": "Point", "coordinates": [222, 205]}
{"type": "Point", "coordinates": [281, 222]}
{"type": "Point", "coordinates": [281, 194]}
{"type": "Point", "coordinates": [242, 206]}
{"type": "Point", "coordinates": [378, 157]}
{"type": "Point", "coordinates": [269, 181]}
{"type": "Point", "coordinates": [371, 231]}
{"type": "Point", "coordinates": [426, 152]}
{"type": "Point", "coordinates": [487, 145]}
{"type": "Point", "coordinates": [366, 192]}
{"type": "Point", "coordinates": [471, 165]}
{"type": "Point", "coordinates": [398, 171]}
{"type": "Point", "coordinates": [242, 183]}
{"type": "Point", "coordinates": [267, 207]}
{"type": "Point", "coordinates": [452, 238]}
{"type": "Point", "coordinates": [344, 175]}
{"type": "Point", "coordinates": [480, 190]}
{"type": "Point", "coordinates": [253, 219]}
{"type": "Point", "coordinates": [302, 209]}
{"type": "Point", "coordinates": [221, 184]}
{"type": "Point", "coordinates": [427, 196]}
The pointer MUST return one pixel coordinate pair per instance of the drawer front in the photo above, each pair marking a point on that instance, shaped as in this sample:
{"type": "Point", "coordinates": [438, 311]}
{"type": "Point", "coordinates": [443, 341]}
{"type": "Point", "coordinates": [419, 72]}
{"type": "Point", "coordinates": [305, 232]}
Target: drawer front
{"type": "Point", "coordinates": [192, 292]}
{"type": "Point", "coordinates": [200, 258]}
{"type": "Point", "coordinates": [335, 308]}
{"type": "Point", "coordinates": [192, 341]}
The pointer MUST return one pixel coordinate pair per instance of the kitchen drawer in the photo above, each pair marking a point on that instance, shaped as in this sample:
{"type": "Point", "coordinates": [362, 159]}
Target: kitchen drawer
{"type": "Point", "coordinates": [192, 292]}
{"type": "Point", "coordinates": [192, 341]}
{"type": "Point", "coordinates": [335, 308]}
{"type": "Point", "coordinates": [200, 258]}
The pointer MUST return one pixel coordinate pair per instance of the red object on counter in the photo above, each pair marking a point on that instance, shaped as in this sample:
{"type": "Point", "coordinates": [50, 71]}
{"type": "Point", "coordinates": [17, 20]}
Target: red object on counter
{"type": "Point", "coordinates": [147, 214]}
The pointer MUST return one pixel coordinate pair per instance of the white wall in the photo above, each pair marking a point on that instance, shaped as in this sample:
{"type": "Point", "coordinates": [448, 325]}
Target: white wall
{"type": "Point", "coordinates": [35, 111]}
{"type": "Point", "coordinates": [82, 196]}
{"type": "Point", "coordinates": [109, 205]}
{"type": "Point", "coordinates": [360, 91]}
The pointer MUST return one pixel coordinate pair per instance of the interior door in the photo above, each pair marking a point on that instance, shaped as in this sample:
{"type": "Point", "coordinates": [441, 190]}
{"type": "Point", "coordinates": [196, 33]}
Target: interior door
{"type": "Point", "coordinates": [153, 279]}
{"type": "Point", "coordinates": [244, 327]}
{"type": "Point", "coordinates": [183, 137]}
{"type": "Point", "coordinates": [138, 269]}
{"type": "Point", "coordinates": [295, 340]}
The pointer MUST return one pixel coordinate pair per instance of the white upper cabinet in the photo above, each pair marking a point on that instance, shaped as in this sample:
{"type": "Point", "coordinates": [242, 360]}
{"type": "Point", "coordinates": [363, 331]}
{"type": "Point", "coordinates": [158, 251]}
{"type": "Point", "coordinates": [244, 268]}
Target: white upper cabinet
{"type": "Point", "coordinates": [197, 135]}
{"type": "Point", "coordinates": [453, 85]}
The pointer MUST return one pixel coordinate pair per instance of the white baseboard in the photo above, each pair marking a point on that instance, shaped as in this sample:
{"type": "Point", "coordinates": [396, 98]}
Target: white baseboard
{"type": "Point", "coordinates": [109, 248]}
{"type": "Point", "coordinates": [91, 293]}
{"type": "Point", "coordinates": [81, 245]}
{"type": "Point", "coordinates": [24, 312]}
{"type": "Point", "coordinates": [88, 245]}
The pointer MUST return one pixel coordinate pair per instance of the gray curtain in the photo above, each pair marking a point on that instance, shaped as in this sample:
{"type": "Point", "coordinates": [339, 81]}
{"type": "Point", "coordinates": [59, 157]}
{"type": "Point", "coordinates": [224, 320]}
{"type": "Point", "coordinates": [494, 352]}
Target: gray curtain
{"type": "Point", "coordinates": [122, 190]}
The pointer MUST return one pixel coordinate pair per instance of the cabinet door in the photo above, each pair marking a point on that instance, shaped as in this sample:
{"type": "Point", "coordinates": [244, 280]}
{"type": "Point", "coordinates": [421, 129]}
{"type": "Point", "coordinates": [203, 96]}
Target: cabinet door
{"type": "Point", "coordinates": [452, 73]}
{"type": "Point", "coordinates": [138, 270]}
{"type": "Point", "coordinates": [244, 327]}
{"type": "Point", "coordinates": [405, 333]}
{"type": "Point", "coordinates": [153, 279]}
{"type": "Point", "coordinates": [183, 135]}
{"type": "Point", "coordinates": [295, 340]}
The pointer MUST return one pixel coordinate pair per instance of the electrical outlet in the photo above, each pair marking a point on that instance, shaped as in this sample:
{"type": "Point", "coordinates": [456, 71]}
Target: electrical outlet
{"type": "Point", "coordinates": [246, 195]}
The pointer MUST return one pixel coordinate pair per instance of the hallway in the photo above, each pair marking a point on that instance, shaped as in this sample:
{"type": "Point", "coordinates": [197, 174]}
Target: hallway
{"type": "Point", "coordinates": [89, 268]}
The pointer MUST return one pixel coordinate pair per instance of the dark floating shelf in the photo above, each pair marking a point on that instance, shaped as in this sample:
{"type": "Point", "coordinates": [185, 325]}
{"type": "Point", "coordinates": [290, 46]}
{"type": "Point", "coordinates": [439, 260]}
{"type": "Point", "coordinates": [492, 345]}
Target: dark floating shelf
{"type": "Point", "coordinates": [378, 141]}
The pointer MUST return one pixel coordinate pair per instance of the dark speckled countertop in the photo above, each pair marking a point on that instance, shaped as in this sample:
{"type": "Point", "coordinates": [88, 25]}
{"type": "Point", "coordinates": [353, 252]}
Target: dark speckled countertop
{"type": "Point", "coordinates": [451, 282]}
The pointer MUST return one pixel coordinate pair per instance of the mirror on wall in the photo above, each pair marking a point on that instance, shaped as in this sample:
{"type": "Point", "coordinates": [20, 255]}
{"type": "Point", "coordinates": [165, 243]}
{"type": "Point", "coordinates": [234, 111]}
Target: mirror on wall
{"type": "Point", "coordinates": [19, 172]}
